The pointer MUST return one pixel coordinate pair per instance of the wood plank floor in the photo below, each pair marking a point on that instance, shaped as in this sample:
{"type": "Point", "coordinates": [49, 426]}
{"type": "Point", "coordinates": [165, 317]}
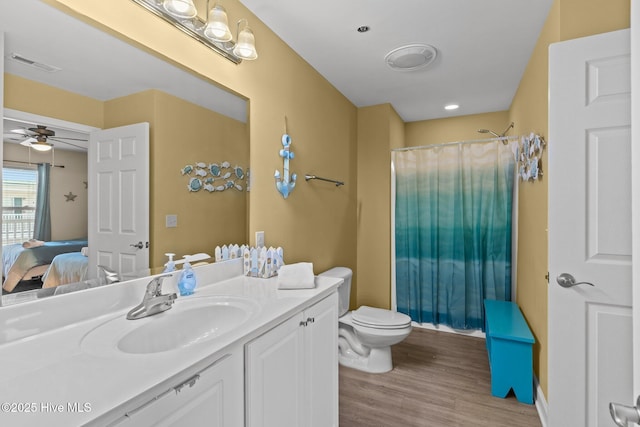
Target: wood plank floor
{"type": "Point", "coordinates": [439, 379]}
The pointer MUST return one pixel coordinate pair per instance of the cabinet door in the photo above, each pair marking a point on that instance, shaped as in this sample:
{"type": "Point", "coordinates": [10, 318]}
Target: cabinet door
{"type": "Point", "coordinates": [212, 397]}
{"type": "Point", "coordinates": [274, 373]}
{"type": "Point", "coordinates": [321, 358]}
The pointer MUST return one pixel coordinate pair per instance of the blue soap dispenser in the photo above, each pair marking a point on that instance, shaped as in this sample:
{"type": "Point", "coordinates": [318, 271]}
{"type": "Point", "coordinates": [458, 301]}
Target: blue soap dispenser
{"type": "Point", "coordinates": [170, 265]}
{"type": "Point", "coordinates": [187, 282]}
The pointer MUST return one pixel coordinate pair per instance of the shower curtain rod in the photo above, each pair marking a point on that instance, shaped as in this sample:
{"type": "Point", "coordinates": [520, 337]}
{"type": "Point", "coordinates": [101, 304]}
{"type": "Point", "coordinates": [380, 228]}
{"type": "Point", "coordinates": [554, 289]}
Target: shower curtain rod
{"type": "Point", "coordinates": [473, 141]}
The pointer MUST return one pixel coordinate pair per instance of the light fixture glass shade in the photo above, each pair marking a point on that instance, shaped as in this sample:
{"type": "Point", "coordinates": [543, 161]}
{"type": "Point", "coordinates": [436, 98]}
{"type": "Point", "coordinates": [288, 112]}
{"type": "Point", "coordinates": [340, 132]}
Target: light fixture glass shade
{"type": "Point", "coordinates": [27, 142]}
{"type": "Point", "coordinates": [41, 146]}
{"type": "Point", "coordinates": [245, 48]}
{"type": "Point", "coordinates": [184, 9]}
{"type": "Point", "coordinates": [217, 28]}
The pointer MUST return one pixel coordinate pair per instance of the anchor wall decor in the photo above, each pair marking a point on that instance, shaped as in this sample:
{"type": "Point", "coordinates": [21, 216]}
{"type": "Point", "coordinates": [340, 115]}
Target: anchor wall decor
{"type": "Point", "coordinates": [283, 184]}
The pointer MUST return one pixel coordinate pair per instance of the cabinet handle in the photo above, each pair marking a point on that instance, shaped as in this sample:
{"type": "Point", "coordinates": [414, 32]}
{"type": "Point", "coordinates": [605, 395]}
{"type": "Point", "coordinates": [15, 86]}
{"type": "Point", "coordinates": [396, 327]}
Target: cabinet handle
{"type": "Point", "coordinates": [306, 322]}
{"type": "Point", "coordinates": [190, 382]}
{"type": "Point", "coordinates": [144, 405]}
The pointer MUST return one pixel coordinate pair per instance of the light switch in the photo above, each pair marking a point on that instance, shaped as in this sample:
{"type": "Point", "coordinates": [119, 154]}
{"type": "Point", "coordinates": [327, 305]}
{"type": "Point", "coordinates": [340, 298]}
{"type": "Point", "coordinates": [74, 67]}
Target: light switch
{"type": "Point", "coordinates": [259, 239]}
{"type": "Point", "coordinates": [171, 221]}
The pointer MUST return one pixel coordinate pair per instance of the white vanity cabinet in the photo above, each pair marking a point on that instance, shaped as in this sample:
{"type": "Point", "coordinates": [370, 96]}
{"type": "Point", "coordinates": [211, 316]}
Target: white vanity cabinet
{"type": "Point", "coordinates": [212, 396]}
{"type": "Point", "coordinates": [292, 371]}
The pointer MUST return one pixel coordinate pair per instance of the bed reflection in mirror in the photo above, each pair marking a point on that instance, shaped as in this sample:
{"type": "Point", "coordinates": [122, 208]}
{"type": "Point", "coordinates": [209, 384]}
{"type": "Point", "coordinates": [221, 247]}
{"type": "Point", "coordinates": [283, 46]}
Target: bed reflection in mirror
{"type": "Point", "coordinates": [191, 121]}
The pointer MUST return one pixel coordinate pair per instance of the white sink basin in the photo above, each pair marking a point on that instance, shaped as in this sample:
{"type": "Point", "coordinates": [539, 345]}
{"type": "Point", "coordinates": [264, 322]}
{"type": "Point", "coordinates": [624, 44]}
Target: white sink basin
{"type": "Point", "coordinates": [191, 321]}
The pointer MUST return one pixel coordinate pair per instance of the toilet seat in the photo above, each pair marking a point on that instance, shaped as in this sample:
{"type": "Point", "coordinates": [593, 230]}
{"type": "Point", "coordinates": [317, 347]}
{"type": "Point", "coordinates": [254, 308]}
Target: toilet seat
{"type": "Point", "coordinates": [379, 318]}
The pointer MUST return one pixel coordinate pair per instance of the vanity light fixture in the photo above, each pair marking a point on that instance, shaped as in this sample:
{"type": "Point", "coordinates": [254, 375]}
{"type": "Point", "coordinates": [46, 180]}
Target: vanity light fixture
{"type": "Point", "coordinates": [214, 33]}
{"type": "Point", "coordinates": [184, 9]}
{"type": "Point", "coordinates": [217, 28]}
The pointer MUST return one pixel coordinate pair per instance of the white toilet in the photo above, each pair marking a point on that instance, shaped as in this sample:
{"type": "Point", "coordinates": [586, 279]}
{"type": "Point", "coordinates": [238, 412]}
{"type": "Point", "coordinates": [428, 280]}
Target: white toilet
{"type": "Point", "coordinates": [366, 334]}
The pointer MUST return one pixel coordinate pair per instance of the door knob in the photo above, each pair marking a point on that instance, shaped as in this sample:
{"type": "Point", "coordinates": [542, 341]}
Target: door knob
{"type": "Point", "coordinates": [138, 245]}
{"type": "Point", "coordinates": [623, 415]}
{"type": "Point", "coordinates": [566, 280]}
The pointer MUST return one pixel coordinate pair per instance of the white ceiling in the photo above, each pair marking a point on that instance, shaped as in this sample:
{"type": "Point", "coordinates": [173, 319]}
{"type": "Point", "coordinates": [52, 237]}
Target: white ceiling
{"type": "Point", "coordinates": [96, 64]}
{"type": "Point", "coordinates": [483, 48]}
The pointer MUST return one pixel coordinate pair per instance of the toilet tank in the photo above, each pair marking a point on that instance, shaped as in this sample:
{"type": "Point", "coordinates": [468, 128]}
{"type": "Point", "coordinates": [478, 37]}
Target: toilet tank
{"type": "Point", "coordinates": [344, 290]}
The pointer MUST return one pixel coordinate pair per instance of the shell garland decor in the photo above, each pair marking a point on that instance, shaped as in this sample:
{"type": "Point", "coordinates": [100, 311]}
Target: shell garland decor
{"type": "Point", "coordinates": [214, 177]}
{"type": "Point", "coordinates": [529, 157]}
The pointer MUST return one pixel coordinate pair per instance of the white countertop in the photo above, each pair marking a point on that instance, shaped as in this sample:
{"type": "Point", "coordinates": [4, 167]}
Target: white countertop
{"type": "Point", "coordinates": [49, 379]}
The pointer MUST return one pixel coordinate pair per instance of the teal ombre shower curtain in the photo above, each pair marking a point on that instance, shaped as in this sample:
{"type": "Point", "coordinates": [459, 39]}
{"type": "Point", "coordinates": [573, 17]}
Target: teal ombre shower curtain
{"type": "Point", "coordinates": [453, 206]}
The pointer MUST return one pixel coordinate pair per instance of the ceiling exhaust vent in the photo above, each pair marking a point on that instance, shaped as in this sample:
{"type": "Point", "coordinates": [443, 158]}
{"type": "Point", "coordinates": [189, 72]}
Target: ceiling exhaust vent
{"type": "Point", "coordinates": [411, 57]}
{"type": "Point", "coordinates": [35, 64]}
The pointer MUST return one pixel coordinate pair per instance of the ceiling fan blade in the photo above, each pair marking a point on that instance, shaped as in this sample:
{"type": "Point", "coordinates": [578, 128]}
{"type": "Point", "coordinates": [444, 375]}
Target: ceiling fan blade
{"type": "Point", "coordinates": [24, 132]}
{"type": "Point", "coordinates": [70, 139]}
{"type": "Point", "coordinates": [69, 143]}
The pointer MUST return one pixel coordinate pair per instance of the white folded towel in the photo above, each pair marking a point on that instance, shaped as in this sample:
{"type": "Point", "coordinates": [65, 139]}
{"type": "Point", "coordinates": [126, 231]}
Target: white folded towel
{"type": "Point", "coordinates": [85, 251]}
{"type": "Point", "coordinates": [296, 276]}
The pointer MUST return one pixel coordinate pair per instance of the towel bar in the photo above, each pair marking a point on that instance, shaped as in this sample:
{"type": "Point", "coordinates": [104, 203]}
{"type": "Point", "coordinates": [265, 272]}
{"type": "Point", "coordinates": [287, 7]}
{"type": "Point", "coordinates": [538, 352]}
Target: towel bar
{"type": "Point", "coordinates": [337, 183]}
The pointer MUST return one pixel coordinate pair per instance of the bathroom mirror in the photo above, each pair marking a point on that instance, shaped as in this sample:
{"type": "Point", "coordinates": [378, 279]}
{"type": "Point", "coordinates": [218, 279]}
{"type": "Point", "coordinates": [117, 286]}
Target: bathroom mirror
{"type": "Point", "coordinates": [192, 120]}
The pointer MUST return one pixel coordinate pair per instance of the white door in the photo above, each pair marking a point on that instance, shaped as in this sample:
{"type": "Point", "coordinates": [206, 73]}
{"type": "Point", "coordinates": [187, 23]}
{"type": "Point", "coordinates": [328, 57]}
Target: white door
{"type": "Point", "coordinates": [627, 410]}
{"type": "Point", "coordinates": [635, 183]}
{"type": "Point", "coordinates": [590, 327]}
{"type": "Point", "coordinates": [118, 167]}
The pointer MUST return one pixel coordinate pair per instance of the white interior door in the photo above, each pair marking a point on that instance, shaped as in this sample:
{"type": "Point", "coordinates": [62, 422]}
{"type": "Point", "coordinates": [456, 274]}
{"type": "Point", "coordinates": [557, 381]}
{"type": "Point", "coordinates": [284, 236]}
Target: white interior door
{"type": "Point", "coordinates": [635, 137]}
{"type": "Point", "coordinates": [590, 327]}
{"type": "Point", "coordinates": [118, 167]}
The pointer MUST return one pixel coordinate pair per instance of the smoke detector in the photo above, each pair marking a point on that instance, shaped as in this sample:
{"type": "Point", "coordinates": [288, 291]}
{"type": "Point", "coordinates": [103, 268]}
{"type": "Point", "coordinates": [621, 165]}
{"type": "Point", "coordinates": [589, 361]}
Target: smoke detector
{"type": "Point", "coordinates": [411, 57]}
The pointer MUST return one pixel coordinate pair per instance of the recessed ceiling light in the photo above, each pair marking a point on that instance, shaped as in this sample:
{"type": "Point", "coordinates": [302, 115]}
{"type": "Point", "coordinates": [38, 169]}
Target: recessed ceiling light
{"type": "Point", "coordinates": [451, 107]}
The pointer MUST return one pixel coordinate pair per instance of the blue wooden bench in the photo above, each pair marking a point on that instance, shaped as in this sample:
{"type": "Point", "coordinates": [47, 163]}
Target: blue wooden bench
{"type": "Point", "coordinates": [509, 344]}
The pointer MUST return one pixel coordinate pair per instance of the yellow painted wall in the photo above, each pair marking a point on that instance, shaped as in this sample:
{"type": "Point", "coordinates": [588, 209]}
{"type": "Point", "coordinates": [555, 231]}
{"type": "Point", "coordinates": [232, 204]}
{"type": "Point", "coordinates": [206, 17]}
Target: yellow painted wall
{"type": "Point", "coordinates": [185, 134]}
{"type": "Point", "coordinates": [580, 18]}
{"type": "Point", "coordinates": [37, 98]}
{"type": "Point", "coordinates": [459, 128]}
{"type": "Point", "coordinates": [379, 130]}
{"type": "Point", "coordinates": [529, 110]}
{"type": "Point", "coordinates": [318, 221]}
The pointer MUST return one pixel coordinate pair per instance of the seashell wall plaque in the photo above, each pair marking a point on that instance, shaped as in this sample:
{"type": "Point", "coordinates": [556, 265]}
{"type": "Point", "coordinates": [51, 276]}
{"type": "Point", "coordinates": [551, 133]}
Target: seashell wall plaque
{"type": "Point", "coordinates": [215, 177]}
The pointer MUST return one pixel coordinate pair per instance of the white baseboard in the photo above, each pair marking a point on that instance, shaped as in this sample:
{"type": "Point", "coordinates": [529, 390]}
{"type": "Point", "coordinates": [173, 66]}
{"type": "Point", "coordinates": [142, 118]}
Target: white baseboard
{"type": "Point", "coordinates": [541, 403]}
{"type": "Point", "coordinates": [443, 328]}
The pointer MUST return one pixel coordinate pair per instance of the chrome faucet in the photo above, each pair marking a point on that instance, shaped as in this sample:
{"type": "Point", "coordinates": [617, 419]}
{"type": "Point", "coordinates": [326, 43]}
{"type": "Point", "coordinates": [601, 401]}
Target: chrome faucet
{"type": "Point", "coordinates": [154, 301]}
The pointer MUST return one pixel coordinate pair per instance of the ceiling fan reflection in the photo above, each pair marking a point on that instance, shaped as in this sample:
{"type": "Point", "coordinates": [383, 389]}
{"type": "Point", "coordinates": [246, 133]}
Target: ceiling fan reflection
{"type": "Point", "coordinates": [38, 138]}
